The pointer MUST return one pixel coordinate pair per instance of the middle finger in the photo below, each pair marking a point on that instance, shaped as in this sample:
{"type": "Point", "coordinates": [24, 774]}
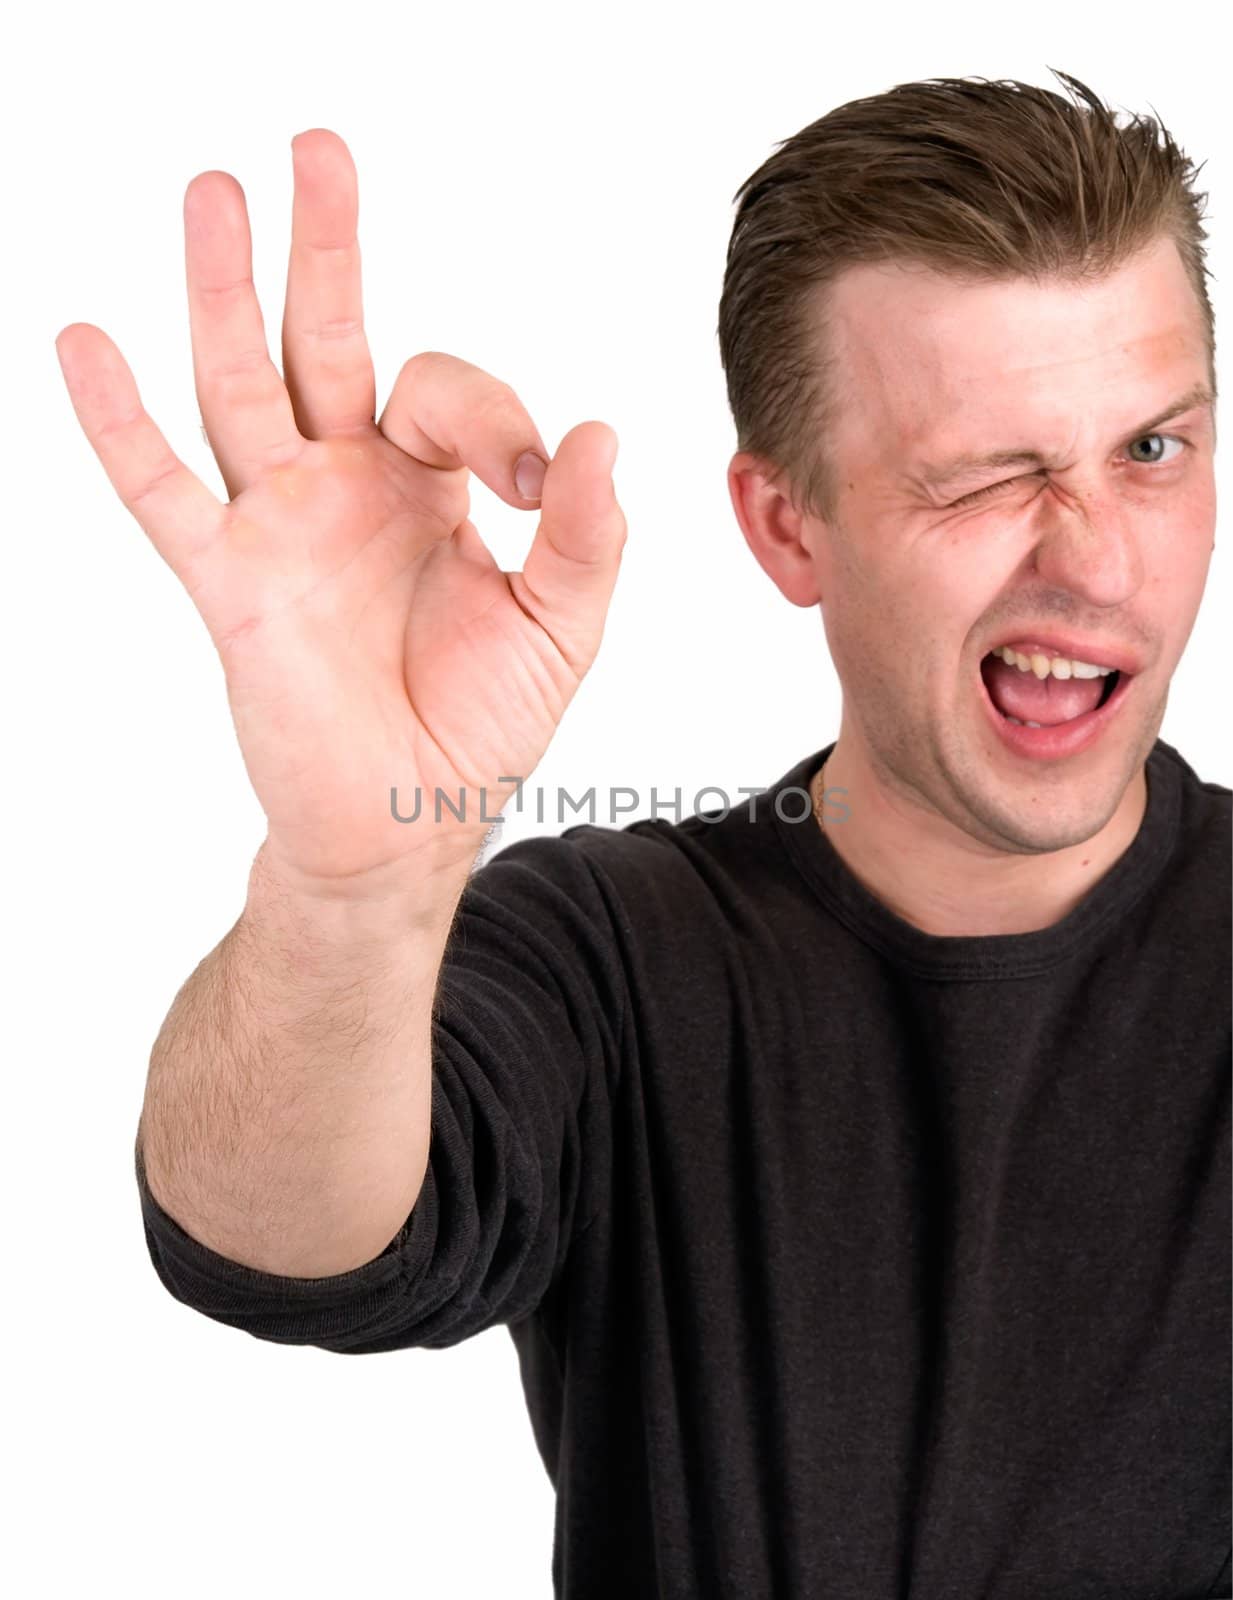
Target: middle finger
{"type": "Point", "coordinates": [326, 359]}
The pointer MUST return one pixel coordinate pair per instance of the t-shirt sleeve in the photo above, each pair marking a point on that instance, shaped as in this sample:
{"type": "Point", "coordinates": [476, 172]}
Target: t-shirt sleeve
{"type": "Point", "coordinates": [529, 1024]}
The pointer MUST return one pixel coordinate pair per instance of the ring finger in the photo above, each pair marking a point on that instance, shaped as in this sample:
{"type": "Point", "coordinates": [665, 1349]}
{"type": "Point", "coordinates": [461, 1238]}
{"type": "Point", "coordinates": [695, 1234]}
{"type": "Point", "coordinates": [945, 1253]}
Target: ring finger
{"type": "Point", "coordinates": [245, 406]}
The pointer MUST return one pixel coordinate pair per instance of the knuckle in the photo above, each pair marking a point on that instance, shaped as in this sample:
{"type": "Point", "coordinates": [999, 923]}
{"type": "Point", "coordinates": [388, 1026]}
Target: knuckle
{"type": "Point", "coordinates": [341, 250]}
{"type": "Point", "coordinates": [340, 328]}
{"type": "Point", "coordinates": [140, 496]}
{"type": "Point", "coordinates": [119, 424]}
{"type": "Point", "coordinates": [425, 361]}
{"type": "Point", "coordinates": [241, 365]}
{"type": "Point", "coordinates": [476, 392]}
{"type": "Point", "coordinates": [495, 399]}
{"type": "Point", "coordinates": [213, 294]}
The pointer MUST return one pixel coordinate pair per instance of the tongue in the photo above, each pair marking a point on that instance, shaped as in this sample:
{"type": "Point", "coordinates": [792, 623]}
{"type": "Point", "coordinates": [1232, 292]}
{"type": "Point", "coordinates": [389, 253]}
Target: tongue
{"type": "Point", "coordinates": [1045, 700]}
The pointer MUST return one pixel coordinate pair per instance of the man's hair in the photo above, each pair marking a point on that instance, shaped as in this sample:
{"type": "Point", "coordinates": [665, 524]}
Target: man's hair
{"type": "Point", "coordinates": [981, 179]}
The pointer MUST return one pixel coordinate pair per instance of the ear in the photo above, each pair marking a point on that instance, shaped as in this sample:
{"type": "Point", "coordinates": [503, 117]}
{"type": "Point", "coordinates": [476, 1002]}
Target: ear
{"type": "Point", "coordinates": [779, 535]}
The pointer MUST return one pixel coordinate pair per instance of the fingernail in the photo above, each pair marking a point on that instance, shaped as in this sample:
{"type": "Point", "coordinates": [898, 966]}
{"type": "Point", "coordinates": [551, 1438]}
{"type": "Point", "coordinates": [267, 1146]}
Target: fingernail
{"type": "Point", "coordinates": [529, 472]}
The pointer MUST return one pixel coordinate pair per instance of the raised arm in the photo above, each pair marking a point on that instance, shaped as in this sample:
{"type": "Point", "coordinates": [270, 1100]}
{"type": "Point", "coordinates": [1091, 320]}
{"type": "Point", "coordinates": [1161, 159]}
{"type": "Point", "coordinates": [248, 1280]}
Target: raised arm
{"type": "Point", "coordinates": [369, 642]}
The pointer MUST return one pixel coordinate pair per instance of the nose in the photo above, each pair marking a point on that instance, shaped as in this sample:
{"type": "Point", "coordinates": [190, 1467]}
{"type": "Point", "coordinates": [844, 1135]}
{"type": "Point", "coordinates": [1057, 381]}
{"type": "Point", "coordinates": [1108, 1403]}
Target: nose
{"type": "Point", "coordinates": [1087, 543]}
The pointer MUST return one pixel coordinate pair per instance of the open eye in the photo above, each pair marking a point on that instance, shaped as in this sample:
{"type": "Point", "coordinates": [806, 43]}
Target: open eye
{"type": "Point", "coordinates": [1157, 460]}
{"type": "Point", "coordinates": [1006, 483]}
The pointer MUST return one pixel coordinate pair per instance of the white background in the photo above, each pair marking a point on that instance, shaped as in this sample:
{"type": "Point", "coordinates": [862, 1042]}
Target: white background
{"type": "Point", "coordinates": [545, 191]}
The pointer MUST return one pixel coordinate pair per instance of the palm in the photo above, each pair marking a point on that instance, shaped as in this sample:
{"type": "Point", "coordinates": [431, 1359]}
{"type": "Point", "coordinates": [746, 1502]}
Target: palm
{"type": "Point", "coordinates": [350, 595]}
{"type": "Point", "coordinates": [368, 638]}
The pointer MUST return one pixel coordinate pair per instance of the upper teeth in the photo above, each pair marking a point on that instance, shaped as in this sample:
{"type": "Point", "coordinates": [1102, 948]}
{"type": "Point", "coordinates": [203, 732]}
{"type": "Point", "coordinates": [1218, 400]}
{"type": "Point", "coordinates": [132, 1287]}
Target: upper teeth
{"type": "Point", "coordinates": [1042, 665]}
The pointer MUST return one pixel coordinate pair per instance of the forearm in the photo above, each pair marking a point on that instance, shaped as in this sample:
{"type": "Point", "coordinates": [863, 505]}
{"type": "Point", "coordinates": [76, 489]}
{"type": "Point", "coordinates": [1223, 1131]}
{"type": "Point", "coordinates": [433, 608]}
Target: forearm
{"type": "Point", "coordinates": [287, 1110]}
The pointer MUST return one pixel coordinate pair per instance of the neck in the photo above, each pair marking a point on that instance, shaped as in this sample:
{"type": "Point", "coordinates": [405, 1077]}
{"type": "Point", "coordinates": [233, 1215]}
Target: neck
{"type": "Point", "coordinates": [926, 870]}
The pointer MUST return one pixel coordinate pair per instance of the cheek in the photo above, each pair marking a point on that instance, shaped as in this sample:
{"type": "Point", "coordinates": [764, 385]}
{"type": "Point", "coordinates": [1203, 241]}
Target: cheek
{"type": "Point", "coordinates": [894, 604]}
{"type": "Point", "coordinates": [974, 561]}
{"type": "Point", "coordinates": [1172, 597]}
{"type": "Point", "coordinates": [1178, 552]}
{"type": "Point", "coordinates": [886, 657]}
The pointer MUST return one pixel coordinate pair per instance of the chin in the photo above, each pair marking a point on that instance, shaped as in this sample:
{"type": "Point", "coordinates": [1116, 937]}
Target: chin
{"type": "Point", "coordinates": [1059, 809]}
{"type": "Point", "coordinates": [1030, 833]}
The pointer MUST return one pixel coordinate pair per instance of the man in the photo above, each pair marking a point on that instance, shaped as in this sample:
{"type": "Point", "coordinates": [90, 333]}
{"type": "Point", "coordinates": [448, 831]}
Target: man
{"type": "Point", "coordinates": [854, 1186]}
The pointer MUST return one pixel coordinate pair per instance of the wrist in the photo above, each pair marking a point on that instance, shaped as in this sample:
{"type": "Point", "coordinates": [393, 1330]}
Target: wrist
{"type": "Point", "coordinates": [396, 902]}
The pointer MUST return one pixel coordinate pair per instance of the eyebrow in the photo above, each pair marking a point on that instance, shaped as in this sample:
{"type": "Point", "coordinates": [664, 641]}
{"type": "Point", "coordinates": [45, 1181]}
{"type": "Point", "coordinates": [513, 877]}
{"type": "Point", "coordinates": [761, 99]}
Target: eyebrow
{"type": "Point", "coordinates": [945, 472]}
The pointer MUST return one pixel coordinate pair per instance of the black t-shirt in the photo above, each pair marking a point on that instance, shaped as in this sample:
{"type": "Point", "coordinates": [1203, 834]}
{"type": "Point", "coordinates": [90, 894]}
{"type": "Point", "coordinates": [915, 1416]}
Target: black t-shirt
{"type": "Point", "coordinates": [841, 1259]}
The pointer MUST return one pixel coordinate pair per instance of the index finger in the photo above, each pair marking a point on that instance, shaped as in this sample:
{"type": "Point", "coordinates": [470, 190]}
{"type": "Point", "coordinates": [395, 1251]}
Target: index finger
{"type": "Point", "coordinates": [448, 413]}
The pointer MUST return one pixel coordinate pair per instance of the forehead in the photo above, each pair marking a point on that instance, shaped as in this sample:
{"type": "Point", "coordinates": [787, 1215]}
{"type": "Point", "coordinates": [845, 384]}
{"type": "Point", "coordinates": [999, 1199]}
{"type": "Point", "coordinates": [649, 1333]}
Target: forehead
{"type": "Point", "coordinates": [929, 363]}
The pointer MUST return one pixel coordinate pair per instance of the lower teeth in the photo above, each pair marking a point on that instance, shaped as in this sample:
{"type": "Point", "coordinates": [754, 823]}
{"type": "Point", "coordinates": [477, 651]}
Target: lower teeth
{"type": "Point", "coordinates": [1019, 724]}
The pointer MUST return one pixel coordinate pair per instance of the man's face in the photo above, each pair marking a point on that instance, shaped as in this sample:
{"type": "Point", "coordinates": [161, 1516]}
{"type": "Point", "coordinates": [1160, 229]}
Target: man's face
{"type": "Point", "coordinates": [1104, 548]}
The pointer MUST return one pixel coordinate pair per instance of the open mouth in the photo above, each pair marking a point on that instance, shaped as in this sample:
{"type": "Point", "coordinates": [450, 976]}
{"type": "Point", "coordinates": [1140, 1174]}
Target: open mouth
{"type": "Point", "coordinates": [1024, 698]}
{"type": "Point", "coordinates": [1050, 716]}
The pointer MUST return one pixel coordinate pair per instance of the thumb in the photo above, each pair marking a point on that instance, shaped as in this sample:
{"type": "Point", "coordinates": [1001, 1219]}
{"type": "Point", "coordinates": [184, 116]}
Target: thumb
{"type": "Point", "coordinates": [571, 568]}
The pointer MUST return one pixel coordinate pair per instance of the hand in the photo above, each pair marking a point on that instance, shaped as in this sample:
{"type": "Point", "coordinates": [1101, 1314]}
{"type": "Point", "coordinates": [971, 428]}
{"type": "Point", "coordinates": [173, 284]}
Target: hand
{"type": "Point", "coordinates": [368, 638]}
